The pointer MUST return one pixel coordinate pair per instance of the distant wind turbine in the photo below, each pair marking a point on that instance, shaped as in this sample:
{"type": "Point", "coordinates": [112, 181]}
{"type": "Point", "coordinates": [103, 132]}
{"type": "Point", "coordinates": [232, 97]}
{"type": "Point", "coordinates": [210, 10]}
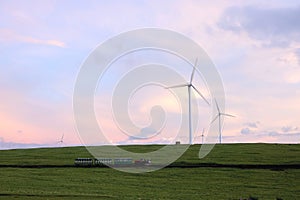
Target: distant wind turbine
{"type": "Point", "coordinates": [219, 116]}
{"type": "Point", "coordinates": [61, 141]}
{"type": "Point", "coordinates": [190, 85]}
{"type": "Point", "coordinates": [202, 135]}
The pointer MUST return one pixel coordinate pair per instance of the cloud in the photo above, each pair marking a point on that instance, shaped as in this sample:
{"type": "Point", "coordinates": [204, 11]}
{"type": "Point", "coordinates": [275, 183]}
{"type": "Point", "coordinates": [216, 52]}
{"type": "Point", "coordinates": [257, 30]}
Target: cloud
{"type": "Point", "coordinates": [273, 133]}
{"type": "Point", "coordinates": [291, 61]}
{"type": "Point", "coordinates": [252, 124]}
{"type": "Point", "coordinates": [145, 133]}
{"type": "Point", "coordinates": [297, 53]}
{"type": "Point", "coordinates": [274, 27]}
{"type": "Point", "coordinates": [16, 145]}
{"type": "Point", "coordinates": [278, 134]}
{"type": "Point", "coordinates": [251, 128]}
{"type": "Point", "coordinates": [291, 58]}
{"type": "Point", "coordinates": [265, 137]}
{"type": "Point", "coordinates": [7, 35]}
{"type": "Point", "coordinates": [286, 129]}
{"type": "Point", "coordinates": [286, 134]}
{"type": "Point", "coordinates": [246, 131]}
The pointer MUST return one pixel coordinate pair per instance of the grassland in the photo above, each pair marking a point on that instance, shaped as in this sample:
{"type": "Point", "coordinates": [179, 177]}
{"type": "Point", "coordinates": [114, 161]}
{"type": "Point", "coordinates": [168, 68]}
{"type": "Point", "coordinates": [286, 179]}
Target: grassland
{"type": "Point", "coordinates": [168, 183]}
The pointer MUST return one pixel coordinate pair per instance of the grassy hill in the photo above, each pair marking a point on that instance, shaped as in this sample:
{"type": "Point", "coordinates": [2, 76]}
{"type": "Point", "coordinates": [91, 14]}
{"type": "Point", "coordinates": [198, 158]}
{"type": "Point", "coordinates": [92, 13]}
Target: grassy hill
{"type": "Point", "coordinates": [168, 183]}
{"type": "Point", "coordinates": [221, 154]}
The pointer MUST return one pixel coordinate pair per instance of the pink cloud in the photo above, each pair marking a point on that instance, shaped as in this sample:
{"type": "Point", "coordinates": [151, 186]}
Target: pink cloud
{"type": "Point", "coordinates": [7, 35]}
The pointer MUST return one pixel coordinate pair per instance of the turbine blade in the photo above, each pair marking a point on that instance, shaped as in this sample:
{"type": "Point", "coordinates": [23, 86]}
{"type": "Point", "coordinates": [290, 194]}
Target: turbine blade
{"type": "Point", "coordinates": [227, 115]}
{"type": "Point", "coordinates": [62, 137]}
{"type": "Point", "coordinates": [193, 72]}
{"type": "Point", "coordinates": [214, 119]}
{"type": "Point", "coordinates": [217, 106]}
{"type": "Point", "coordinates": [176, 86]}
{"type": "Point", "coordinates": [200, 95]}
{"type": "Point", "coordinates": [192, 75]}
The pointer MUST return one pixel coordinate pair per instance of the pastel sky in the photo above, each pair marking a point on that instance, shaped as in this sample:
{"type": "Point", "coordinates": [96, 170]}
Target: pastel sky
{"type": "Point", "coordinates": [255, 46]}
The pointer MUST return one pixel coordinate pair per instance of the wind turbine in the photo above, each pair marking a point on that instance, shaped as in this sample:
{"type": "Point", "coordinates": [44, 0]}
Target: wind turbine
{"type": "Point", "coordinates": [219, 116]}
{"type": "Point", "coordinates": [190, 86]}
{"type": "Point", "coordinates": [61, 141]}
{"type": "Point", "coordinates": [202, 135]}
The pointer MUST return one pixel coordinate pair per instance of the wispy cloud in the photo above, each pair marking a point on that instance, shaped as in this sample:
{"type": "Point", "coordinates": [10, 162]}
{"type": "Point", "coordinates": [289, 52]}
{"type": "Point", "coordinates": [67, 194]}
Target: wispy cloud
{"type": "Point", "coordinates": [246, 131]}
{"type": "Point", "coordinates": [252, 124]}
{"type": "Point", "coordinates": [7, 35]}
{"type": "Point", "coordinates": [16, 145]}
{"type": "Point", "coordinates": [287, 129]}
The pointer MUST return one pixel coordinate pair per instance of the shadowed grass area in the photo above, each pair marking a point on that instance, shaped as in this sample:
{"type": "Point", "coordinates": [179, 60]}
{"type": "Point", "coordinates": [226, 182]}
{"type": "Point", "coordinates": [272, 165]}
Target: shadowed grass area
{"type": "Point", "coordinates": [194, 183]}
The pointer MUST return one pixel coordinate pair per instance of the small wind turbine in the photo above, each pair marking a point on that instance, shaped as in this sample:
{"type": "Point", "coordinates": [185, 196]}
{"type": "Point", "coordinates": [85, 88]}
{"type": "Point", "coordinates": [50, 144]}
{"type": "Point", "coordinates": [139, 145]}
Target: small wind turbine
{"type": "Point", "coordinates": [61, 141]}
{"type": "Point", "coordinates": [190, 85]}
{"type": "Point", "coordinates": [202, 135]}
{"type": "Point", "coordinates": [219, 116]}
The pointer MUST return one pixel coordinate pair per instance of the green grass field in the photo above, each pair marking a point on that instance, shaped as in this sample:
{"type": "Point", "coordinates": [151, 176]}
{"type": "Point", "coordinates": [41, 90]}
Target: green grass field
{"type": "Point", "coordinates": [167, 183]}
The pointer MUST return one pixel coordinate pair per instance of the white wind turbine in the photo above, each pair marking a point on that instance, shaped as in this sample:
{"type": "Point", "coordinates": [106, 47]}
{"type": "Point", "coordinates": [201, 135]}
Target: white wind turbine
{"type": "Point", "coordinates": [61, 141]}
{"type": "Point", "coordinates": [219, 116]}
{"type": "Point", "coordinates": [190, 85]}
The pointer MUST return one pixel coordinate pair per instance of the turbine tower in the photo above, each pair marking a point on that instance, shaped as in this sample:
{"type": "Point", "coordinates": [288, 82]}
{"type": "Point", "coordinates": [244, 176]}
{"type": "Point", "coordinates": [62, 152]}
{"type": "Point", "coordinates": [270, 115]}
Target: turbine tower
{"type": "Point", "coordinates": [219, 116]}
{"type": "Point", "coordinates": [190, 86]}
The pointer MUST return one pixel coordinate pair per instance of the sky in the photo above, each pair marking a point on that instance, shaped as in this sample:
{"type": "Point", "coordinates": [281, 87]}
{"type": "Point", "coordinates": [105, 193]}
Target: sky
{"type": "Point", "coordinates": [255, 46]}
